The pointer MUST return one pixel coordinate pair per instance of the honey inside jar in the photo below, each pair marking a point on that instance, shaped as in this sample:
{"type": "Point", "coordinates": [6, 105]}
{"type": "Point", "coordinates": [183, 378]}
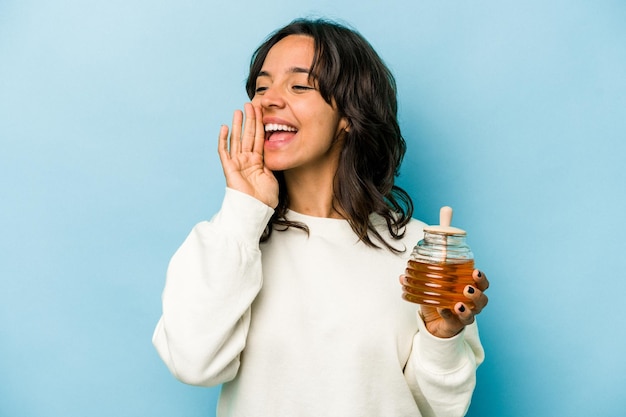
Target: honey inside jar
{"type": "Point", "coordinates": [438, 284]}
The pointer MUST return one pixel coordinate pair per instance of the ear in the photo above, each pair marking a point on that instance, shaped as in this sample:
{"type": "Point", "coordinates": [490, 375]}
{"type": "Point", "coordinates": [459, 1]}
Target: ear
{"type": "Point", "coordinates": [344, 124]}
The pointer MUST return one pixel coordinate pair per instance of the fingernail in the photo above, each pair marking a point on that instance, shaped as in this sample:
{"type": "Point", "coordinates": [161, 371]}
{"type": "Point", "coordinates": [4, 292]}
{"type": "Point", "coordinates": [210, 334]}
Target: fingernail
{"type": "Point", "coordinates": [462, 308]}
{"type": "Point", "coordinates": [470, 290]}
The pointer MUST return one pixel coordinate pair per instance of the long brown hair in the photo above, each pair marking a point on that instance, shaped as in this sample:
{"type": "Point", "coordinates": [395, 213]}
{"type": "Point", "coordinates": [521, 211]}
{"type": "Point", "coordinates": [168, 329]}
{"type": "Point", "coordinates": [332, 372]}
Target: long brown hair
{"type": "Point", "coordinates": [351, 75]}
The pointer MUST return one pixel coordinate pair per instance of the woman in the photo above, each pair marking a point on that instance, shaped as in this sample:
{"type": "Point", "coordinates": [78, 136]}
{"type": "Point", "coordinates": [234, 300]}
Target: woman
{"type": "Point", "coordinates": [285, 296]}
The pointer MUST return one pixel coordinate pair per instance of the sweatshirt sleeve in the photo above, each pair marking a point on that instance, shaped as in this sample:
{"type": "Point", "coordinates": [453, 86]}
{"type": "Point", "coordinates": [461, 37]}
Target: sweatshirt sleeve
{"type": "Point", "coordinates": [442, 372]}
{"type": "Point", "coordinates": [211, 282]}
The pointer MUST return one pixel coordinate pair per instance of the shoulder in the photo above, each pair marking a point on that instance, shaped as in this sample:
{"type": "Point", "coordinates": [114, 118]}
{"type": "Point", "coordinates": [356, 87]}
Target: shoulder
{"type": "Point", "coordinates": [415, 228]}
{"type": "Point", "coordinates": [411, 233]}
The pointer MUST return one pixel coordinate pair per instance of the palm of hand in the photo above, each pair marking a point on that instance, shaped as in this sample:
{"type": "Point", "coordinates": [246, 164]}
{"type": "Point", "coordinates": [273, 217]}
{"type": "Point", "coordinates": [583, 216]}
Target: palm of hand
{"type": "Point", "coordinates": [441, 322]}
{"type": "Point", "coordinates": [242, 161]}
{"type": "Point", "coordinates": [247, 173]}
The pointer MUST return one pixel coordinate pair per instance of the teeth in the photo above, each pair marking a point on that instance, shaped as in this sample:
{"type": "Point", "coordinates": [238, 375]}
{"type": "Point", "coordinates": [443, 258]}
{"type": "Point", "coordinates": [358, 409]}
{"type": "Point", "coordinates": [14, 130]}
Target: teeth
{"type": "Point", "coordinates": [274, 127]}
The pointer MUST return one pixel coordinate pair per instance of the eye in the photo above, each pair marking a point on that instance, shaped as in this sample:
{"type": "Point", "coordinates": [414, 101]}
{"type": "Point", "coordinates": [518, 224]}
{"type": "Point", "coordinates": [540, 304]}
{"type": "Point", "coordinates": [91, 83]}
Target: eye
{"type": "Point", "coordinates": [302, 87]}
{"type": "Point", "coordinates": [260, 90]}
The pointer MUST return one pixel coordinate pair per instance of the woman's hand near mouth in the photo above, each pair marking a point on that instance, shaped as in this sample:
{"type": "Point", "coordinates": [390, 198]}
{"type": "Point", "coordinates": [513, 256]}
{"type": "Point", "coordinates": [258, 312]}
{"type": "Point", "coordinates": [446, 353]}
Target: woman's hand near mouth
{"type": "Point", "coordinates": [242, 157]}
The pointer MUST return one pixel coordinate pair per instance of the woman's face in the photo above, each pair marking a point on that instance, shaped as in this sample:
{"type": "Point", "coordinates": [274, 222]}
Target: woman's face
{"type": "Point", "coordinates": [301, 129]}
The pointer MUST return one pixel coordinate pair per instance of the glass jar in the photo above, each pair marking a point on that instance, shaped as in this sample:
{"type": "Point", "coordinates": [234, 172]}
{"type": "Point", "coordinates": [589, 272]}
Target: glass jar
{"type": "Point", "coordinates": [440, 266]}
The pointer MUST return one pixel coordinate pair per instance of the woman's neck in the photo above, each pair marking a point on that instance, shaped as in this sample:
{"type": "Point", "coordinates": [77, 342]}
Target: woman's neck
{"type": "Point", "coordinates": [312, 193]}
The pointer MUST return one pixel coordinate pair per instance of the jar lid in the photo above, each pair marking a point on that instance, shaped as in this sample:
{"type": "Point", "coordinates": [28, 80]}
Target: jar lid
{"type": "Point", "coordinates": [444, 228]}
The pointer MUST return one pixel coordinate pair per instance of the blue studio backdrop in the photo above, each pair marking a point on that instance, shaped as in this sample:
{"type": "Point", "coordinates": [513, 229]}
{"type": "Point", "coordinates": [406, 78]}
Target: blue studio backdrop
{"type": "Point", "coordinates": [514, 114]}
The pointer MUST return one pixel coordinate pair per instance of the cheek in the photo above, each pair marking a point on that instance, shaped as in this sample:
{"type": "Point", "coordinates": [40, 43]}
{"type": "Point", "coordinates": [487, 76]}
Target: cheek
{"type": "Point", "coordinates": [334, 124]}
{"type": "Point", "coordinates": [326, 119]}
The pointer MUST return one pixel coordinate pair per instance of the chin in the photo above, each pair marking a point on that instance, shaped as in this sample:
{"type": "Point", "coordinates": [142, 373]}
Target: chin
{"type": "Point", "coordinates": [275, 164]}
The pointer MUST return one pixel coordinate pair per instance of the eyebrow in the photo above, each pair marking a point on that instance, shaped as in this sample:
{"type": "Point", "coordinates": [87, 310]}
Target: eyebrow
{"type": "Point", "coordinates": [292, 70]}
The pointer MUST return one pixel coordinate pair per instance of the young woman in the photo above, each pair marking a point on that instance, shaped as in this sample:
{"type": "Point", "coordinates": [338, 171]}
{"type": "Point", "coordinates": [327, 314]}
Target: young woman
{"type": "Point", "coordinates": [288, 296]}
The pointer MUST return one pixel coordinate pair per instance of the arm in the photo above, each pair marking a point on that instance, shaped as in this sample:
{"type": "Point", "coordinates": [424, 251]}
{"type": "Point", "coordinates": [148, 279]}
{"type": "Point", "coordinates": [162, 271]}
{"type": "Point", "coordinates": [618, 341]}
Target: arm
{"type": "Point", "coordinates": [211, 283]}
{"type": "Point", "coordinates": [441, 369]}
{"type": "Point", "coordinates": [216, 274]}
{"type": "Point", "coordinates": [442, 372]}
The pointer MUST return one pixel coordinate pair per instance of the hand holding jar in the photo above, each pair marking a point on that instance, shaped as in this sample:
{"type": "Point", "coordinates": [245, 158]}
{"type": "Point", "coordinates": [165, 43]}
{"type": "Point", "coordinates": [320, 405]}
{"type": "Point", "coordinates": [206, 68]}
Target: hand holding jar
{"type": "Point", "coordinates": [440, 276]}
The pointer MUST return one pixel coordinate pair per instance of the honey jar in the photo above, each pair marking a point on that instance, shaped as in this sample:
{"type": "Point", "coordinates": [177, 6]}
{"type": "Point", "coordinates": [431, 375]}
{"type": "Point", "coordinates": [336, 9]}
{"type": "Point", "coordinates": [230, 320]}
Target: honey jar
{"type": "Point", "coordinates": [440, 266]}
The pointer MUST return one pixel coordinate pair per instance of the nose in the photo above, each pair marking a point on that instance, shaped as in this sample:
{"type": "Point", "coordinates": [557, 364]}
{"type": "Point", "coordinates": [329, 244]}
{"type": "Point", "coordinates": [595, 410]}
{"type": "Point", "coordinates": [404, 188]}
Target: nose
{"type": "Point", "coordinates": [272, 97]}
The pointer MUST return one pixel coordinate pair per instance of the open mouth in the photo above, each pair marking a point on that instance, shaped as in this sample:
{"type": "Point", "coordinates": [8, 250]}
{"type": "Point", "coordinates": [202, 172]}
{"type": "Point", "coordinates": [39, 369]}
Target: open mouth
{"type": "Point", "coordinates": [276, 132]}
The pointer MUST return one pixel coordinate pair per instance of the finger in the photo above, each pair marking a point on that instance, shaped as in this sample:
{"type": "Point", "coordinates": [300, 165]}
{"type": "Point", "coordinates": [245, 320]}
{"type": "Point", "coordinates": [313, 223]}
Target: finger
{"type": "Point", "coordinates": [402, 279]}
{"type": "Point", "coordinates": [247, 140]}
{"type": "Point", "coordinates": [464, 314]}
{"type": "Point", "coordinates": [222, 144]}
{"type": "Point", "coordinates": [235, 135]}
{"type": "Point", "coordinates": [259, 139]}
{"type": "Point", "coordinates": [476, 297]}
{"type": "Point", "coordinates": [482, 283]}
{"type": "Point", "coordinates": [453, 323]}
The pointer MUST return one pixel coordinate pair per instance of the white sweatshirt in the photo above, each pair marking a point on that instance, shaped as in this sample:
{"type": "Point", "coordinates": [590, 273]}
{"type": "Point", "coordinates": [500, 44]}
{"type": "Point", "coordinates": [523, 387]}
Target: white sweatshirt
{"type": "Point", "coordinates": [306, 325]}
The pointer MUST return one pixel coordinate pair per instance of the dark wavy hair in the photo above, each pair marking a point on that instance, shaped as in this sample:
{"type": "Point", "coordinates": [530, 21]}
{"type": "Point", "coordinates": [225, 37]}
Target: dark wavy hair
{"type": "Point", "coordinates": [351, 75]}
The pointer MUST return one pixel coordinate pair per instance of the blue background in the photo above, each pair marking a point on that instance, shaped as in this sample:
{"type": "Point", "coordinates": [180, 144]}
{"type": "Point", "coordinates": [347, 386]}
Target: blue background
{"type": "Point", "coordinates": [514, 113]}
